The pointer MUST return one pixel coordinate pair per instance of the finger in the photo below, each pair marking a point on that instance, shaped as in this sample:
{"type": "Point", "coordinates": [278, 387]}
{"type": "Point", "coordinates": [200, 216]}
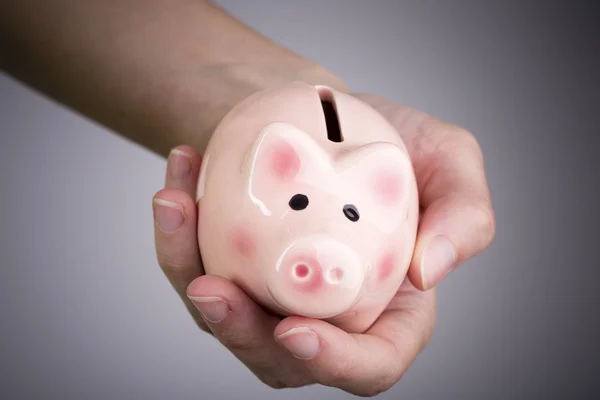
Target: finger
{"type": "Point", "coordinates": [175, 237]}
{"type": "Point", "coordinates": [361, 364]}
{"type": "Point", "coordinates": [457, 221]}
{"type": "Point", "coordinates": [183, 168]}
{"type": "Point", "coordinates": [245, 329]}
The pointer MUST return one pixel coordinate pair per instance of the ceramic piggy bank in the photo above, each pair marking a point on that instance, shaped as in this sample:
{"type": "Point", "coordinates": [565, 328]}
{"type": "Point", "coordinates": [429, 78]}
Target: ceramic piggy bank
{"type": "Point", "coordinates": [307, 200]}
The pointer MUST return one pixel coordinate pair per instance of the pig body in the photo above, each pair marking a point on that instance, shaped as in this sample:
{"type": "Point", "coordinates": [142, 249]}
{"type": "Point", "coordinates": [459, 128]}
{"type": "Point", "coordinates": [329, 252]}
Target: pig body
{"type": "Point", "coordinates": [311, 214]}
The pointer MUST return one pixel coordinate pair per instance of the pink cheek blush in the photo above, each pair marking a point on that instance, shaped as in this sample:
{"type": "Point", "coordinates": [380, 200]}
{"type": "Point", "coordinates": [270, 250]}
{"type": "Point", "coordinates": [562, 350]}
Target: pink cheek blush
{"type": "Point", "coordinates": [243, 243]}
{"type": "Point", "coordinates": [386, 267]}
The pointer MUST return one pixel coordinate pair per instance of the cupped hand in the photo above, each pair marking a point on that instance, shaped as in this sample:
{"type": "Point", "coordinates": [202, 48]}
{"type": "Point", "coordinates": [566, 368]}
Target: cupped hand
{"type": "Point", "coordinates": [297, 351]}
{"type": "Point", "coordinates": [457, 220]}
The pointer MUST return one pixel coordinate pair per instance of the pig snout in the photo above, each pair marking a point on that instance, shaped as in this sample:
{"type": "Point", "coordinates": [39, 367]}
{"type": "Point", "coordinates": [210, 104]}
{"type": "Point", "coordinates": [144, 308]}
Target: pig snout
{"type": "Point", "coordinates": [317, 277]}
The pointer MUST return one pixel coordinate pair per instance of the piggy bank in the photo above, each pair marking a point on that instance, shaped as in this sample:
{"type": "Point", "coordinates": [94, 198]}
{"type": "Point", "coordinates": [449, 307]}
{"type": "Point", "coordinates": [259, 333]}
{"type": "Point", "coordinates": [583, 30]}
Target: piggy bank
{"type": "Point", "coordinates": [307, 200]}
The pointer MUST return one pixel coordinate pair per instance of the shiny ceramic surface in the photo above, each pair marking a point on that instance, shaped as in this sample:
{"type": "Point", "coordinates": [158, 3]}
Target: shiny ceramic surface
{"type": "Point", "coordinates": [307, 200]}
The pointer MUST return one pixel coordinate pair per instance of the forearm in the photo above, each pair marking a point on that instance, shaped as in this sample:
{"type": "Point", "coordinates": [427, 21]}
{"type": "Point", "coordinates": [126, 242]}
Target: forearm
{"type": "Point", "coordinates": [160, 73]}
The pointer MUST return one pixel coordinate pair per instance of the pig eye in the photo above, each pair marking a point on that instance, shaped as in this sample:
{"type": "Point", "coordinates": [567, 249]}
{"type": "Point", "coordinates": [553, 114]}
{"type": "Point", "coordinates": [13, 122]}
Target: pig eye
{"type": "Point", "coordinates": [298, 202]}
{"type": "Point", "coordinates": [351, 212]}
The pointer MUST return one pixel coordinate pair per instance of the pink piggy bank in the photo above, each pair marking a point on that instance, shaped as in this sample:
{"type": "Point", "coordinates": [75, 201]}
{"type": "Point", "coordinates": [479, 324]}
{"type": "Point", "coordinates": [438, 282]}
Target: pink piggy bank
{"type": "Point", "coordinates": [307, 200]}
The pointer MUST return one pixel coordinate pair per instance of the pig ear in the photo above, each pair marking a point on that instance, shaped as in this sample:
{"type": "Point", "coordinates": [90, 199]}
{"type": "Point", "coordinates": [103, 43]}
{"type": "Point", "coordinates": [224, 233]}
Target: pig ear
{"type": "Point", "coordinates": [382, 173]}
{"type": "Point", "coordinates": [283, 154]}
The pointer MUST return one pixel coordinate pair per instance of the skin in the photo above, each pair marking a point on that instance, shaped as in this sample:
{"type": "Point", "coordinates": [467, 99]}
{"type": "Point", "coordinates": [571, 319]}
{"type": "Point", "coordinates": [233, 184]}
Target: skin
{"type": "Point", "coordinates": [162, 74]}
{"type": "Point", "coordinates": [454, 202]}
{"type": "Point", "coordinates": [159, 73]}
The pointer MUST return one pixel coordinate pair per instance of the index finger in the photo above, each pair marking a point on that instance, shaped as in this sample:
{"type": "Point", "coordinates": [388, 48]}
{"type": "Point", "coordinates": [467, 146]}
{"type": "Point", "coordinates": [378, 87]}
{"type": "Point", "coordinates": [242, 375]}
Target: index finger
{"type": "Point", "coordinates": [370, 363]}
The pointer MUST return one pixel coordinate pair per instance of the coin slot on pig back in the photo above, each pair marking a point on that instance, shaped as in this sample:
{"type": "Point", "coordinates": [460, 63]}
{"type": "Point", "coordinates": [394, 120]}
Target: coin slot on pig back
{"type": "Point", "coordinates": [332, 121]}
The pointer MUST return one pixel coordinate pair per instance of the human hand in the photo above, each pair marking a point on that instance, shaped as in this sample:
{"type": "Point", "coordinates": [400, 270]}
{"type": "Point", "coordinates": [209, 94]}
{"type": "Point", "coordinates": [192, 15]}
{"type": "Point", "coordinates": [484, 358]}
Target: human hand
{"type": "Point", "coordinates": [362, 364]}
{"type": "Point", "coordinates": [457, 220]}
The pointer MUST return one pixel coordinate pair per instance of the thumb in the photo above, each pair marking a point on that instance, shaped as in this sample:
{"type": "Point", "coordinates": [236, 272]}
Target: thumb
{"type": "Point", "coordinates": [457, 221]}
{"type": "Point", "coordinates": [452, 230]}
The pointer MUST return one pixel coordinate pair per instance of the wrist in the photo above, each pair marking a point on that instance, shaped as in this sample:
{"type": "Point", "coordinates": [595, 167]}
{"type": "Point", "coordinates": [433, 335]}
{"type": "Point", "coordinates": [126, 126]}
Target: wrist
{"type": "Point", "coordinates": [202, 99]}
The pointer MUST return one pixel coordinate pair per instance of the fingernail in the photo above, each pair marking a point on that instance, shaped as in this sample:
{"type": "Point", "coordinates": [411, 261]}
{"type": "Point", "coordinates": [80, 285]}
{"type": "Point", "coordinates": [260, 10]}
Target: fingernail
{"type": "Point", "coordinates": [180, 164]}
{"type": "Point", "coordinates": [303, 343]}
{"type": "Point", "coordinates": [437, 262]}
{"type": "Point", "coordinates": [213, 309]}
{"type": "Point", "coordinates": [168, 215]}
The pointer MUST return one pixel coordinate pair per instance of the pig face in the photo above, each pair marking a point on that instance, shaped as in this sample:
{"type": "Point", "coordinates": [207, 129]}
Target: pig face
{"type": "Point", "coordinates": [323, 216]}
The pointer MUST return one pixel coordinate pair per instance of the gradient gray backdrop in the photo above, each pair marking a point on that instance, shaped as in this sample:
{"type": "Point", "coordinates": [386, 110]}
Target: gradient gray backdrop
{"type": "Point", "coordinates": [85, 312]}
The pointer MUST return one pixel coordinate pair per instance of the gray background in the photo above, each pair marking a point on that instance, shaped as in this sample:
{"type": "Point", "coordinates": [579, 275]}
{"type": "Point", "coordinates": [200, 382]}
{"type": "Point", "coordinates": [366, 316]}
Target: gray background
{"type": "Point", "coordinates": [85, 312]}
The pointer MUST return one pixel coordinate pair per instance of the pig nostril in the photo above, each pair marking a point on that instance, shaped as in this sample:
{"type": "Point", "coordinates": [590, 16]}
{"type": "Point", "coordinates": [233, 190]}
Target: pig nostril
{"type": "Point", "coordinates": [301, 271]}
{"type": "Point", "coordinates": [336, 274]}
